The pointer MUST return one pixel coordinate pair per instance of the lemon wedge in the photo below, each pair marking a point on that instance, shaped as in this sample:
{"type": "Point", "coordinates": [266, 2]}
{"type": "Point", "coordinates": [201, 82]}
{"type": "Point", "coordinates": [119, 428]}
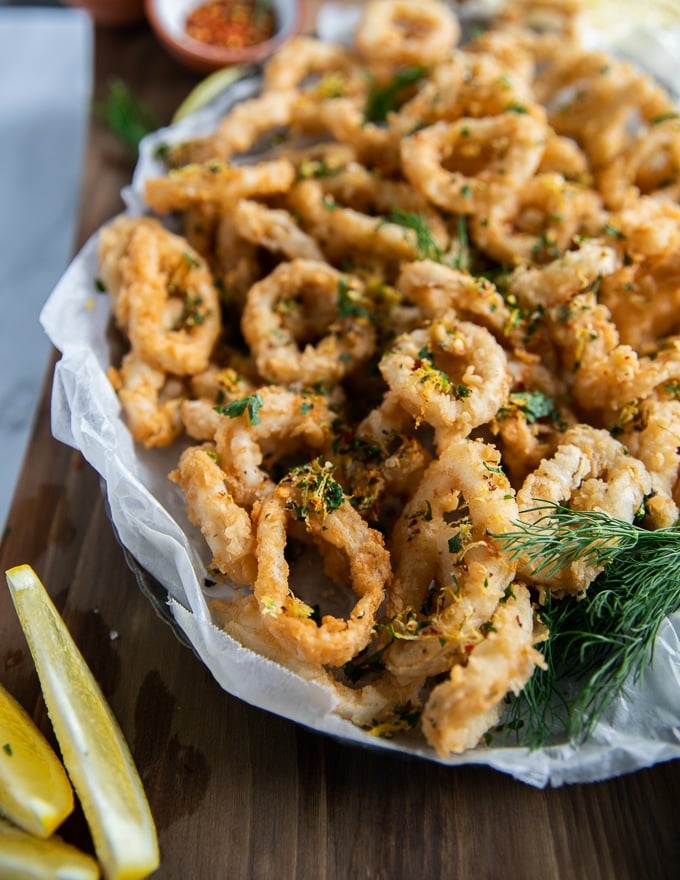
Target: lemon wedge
{"type": "Point", "coordinates": [92, 746]}
{"type": "Point", "coordinates": [34, 789]}
{"type": "Point", "coordinates": [23, 857]}
{"type": "Point", "coordinates": [208, 89]}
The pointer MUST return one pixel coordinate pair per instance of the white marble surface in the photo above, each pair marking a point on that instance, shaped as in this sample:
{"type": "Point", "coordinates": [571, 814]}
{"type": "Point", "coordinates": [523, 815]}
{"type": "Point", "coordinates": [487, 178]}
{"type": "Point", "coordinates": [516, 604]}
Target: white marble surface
{"type": "Point", "coordinates": [45, 89]}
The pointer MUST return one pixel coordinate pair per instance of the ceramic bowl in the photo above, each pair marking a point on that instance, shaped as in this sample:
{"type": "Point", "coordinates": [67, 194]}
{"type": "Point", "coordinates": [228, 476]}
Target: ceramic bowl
{"type": "Point", "coordinates": [167, 18]}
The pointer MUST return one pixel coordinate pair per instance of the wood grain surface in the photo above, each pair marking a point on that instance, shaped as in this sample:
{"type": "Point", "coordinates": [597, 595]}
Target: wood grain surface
{"type": "Point", "coordinates": [238, 793]}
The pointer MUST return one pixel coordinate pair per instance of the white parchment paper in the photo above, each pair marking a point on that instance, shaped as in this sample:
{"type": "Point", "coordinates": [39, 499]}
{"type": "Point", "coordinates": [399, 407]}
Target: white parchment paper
{"type": "Point", "coordinates": [642, 728]}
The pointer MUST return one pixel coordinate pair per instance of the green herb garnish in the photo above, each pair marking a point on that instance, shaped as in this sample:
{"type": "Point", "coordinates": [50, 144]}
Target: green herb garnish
{"type": "Point", "coordinates": [534, 404]}
{"type": "Point", "coordinates": [613, 231]}
{"type": "Point", "coordinates": [462, 260]}
{"type": "Point", "coordinates": [599, 641]}
{"type": "Point", "coordinates": [664, 117]}
{"type": "Point", "coordinates": [426, 247]}
{"type": "Point", "coordinates": [251, 404]}
{"type": "Point", "coordinates": [320, 492]}
{"type": "Point", "coordinates": [351, 302]}
{"type": "Point", "coordinates": [315, 169]}
{"type": "Point", "coordinates": [383, 100]}
{"type": "Point", "coordinates": [127, 117]}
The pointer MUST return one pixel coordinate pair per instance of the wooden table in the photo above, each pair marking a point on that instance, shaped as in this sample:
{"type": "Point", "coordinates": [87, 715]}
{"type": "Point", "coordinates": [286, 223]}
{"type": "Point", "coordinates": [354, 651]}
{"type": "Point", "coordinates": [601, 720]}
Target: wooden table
{"type": "Point", "coordinates": [239, 793]}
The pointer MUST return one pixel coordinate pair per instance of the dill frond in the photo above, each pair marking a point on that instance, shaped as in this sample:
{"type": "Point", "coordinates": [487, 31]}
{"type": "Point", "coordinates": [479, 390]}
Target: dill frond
{"type": "Point", "coordinates": [559, 536]}
{"type": "Point", "coordinates": [603, 640]}
{"type": "Point", "coordinates": [127, 117]}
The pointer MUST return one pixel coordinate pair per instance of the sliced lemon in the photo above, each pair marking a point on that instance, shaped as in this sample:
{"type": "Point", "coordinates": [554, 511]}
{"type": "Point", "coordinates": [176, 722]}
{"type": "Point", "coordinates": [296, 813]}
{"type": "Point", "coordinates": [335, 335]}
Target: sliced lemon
{"type": "Point", "coordinates": [24, 857]}
{"type": "Point", "coordinates": [34, 789]}
{"type": "Point", "coordinates": [92, 746]}
{"type": "Point", "coordinates": [208, 89]}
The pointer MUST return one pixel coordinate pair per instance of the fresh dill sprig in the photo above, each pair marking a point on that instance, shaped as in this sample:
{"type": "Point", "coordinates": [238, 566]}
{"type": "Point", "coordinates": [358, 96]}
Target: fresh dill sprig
{"type": "Point", "coordinates": [559, 536]}
{"type": "Point", "coordinates": [426, 247]}
{"type": "Point", "coordinates": [599, 641]}
{"type": "Point", "coordinates": [127, 117]}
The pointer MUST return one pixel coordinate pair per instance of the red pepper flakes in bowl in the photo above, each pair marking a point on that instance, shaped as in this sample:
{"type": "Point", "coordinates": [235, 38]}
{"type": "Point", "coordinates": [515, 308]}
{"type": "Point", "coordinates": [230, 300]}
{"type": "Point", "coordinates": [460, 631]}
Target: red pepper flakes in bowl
{"type": "Point", "coordinates": [232, 24]}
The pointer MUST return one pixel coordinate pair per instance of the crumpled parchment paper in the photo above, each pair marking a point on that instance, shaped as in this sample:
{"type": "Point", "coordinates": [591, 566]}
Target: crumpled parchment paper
{"type": "Point", "coordinates": [643, 726]}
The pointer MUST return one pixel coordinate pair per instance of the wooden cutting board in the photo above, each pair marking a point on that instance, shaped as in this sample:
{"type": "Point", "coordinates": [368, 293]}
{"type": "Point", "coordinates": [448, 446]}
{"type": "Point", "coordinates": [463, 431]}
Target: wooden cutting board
{"type": "Point", "coordinates": [238, 793]}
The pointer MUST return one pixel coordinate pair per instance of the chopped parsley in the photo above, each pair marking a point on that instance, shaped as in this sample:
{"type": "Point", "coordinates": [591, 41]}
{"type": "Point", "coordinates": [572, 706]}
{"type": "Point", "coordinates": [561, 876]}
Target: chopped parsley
{"type": "Point", "coordinates": [534, 405]}
{"type": "Point", "coordinates": [251, 404]}
{"type": "Point", "coordinates": [350, 301]}
{"type": "Point", "coordinates": [319, 493]}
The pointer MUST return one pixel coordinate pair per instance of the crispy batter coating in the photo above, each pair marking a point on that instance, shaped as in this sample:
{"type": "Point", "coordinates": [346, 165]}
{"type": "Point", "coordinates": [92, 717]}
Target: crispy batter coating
{"type": "Point", "coordinates": [421, 289]}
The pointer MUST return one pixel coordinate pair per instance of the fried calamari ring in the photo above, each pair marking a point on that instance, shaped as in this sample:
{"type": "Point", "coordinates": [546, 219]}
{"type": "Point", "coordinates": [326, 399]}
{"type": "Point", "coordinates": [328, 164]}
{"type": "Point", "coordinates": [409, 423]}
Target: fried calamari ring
{"type": "Point", "coordinates": [225, 526]}
{"type": "Point", "coordinates": [241, 128]}
{"type": "Point", "coordinates": [375, 144]}
{"type": "Point", "coordinates": [112, 246]}
{"type": "Point", "coordinates": [371, 193]}
{"type": "Point", "coordinates": [345, 231]}
{"type": "Point", "coordinates": [406, 32]}
{"type": "Point", "coordinates": [510, 47]}
{"type": "Point", "coordinates": [311, 496]}
{"type": "Point", "coordinates": [275, 230]}
{"type": "Point", "coordinates": [337, 335]}
{"type": "Point", "coordinates": [650, 430]}
{"type": "Point", "coordinates": [557, 282]}
{"type": "Point", "coordinates": [365, 706]}
{"type": "Point", "coordinates": [216, 183]}
{"type": "Point", "coordinates": [451, 374]}
{"type": "Point", "coordinates": [563, 156]}
{"type": "Point", "coordinates": [215, 387]}
{"type": "Point", "coordinates": [543, 16]}
{"type": "Point", "coordinates": [437, 289]}
{"type": "Point", "coordinates": [605, 375]}
{"type": "Point", "coordinates": [465, 85]}
{"type": "Point", "coordinates": [443, 556]}
{"type": "Point", "coordinates": [528, 427]}
{"type": "Point", "coordinates": [173, 306]}
{"type": "Point", "coordinates": [235, 264]}
{"type": "Point", "coordinates": [502, 151]}
{"type": "Point", "coordinates": [251, 440]}
{"type": "Point", "coordinates": [590, 470]}
{"type": "Point", "coordinates": [462, 708]}
{"type": "Point", "coordinates": [643, 300]}
{"type": "Point", "coordinates": [538, 222]}
{"type": "Point", "coordinates": [646, 230]}
{"type": "Point", "coordinates": [151, 401]}
{"type": "Point", "coordinates": [304, 56]}
{"type": "Point", "coordinates": [598, 100]}
{"type": "Point", "coordinates": [648, 167]}
{"type": "Point", "coordinates": [378, 464]}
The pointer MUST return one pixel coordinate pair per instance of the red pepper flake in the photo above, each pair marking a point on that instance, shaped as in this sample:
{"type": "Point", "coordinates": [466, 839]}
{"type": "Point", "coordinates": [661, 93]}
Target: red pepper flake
{"type": "Point", "coordinates": [231, 24]}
